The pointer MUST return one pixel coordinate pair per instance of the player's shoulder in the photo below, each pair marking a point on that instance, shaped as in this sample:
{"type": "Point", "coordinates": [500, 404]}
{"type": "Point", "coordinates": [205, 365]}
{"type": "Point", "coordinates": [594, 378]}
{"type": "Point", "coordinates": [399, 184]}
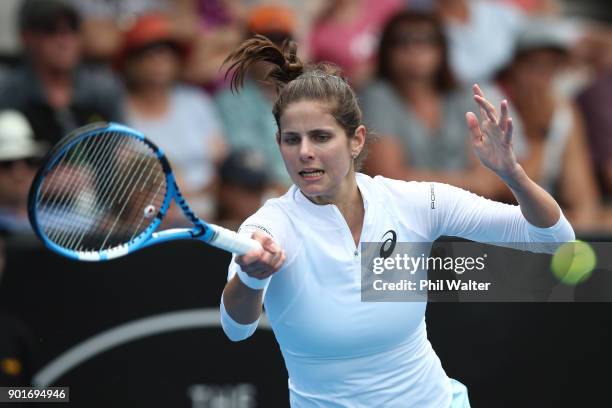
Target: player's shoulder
{"type": "Point", "coordinates": [273, 217]}
{"type": "Point", "coordinates": [413, 194]}
{"type": "Point", "coordinates": [273, 208]}
{"type": "Point", "coordinates": [401, 187]}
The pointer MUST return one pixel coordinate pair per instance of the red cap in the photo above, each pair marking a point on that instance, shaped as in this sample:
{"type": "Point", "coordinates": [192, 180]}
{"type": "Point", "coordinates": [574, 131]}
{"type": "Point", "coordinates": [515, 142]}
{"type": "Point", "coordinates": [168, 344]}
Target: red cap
{"type": "Point", "coordinates": [147, 29]}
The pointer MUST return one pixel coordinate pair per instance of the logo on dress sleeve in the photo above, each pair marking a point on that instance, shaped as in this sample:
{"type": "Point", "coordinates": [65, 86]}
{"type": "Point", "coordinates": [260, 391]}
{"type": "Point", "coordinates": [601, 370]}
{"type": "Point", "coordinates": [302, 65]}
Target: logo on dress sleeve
{"type": "Point", "coordinates": [253, 227]}
{"type": "Point", "coordinates": [432, 197]}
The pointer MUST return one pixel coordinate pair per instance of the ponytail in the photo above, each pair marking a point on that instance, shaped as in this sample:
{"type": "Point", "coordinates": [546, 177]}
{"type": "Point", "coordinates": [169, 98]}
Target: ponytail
{"type": "Point", "coordinates": [284, 65]}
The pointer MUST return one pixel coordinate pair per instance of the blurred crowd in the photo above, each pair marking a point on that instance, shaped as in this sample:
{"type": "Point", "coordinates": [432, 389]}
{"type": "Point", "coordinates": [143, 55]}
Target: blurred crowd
{"type": "Point", "coordinates": [156, 65]}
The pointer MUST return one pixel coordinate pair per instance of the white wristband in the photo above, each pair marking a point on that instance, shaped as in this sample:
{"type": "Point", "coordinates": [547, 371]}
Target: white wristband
{"type": "Point", "coordinates": [253, 283]}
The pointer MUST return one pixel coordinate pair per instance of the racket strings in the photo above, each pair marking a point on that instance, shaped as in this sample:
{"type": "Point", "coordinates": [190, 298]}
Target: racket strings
{"type": "Point", "coordinates": [102, 193]}
{"type": "Point", "coordinates": [90, 203]}
{"type": "Point", "coordinates": [119, 193]}
{"type": "Point", "coordinates": [128, 191]}
{"type": "Point", "coordinates": [112, 187]}
{"type": "Point", "coordinates": [103, 179]}
{"type": "Point", "coordinates": [67, 182]}
{"type": "Point", "coordinates": [83, 197]}
{"type": "Point", "coordinates": [111, 183]}
{"type": "Point", "coordinates": [146, 207]}
{"type": "Point", "coordinates": [62, 185]}
{"type": "Point", "coordinates": [140, 187]}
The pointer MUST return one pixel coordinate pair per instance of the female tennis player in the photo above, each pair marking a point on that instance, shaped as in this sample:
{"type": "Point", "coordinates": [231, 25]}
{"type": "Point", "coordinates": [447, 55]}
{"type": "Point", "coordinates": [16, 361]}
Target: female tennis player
{"type": "Point", "coordinates": [339, 351]}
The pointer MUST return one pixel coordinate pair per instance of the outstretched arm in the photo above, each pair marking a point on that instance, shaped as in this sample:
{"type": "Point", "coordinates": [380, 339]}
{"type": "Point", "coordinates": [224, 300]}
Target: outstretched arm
{"type": "Point", "coordinates": [492, 141]}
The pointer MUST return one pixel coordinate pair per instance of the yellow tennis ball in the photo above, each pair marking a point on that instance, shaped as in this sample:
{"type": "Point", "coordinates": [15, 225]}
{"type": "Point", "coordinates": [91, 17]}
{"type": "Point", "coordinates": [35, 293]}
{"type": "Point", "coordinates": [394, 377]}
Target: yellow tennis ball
{"type": "Point", "coordinates": [573, 262]}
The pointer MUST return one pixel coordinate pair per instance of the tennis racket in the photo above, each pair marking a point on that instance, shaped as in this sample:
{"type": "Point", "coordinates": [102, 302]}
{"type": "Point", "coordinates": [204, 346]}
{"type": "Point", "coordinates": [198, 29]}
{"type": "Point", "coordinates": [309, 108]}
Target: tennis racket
{"type": "Point", "coordinates": [103, 191]}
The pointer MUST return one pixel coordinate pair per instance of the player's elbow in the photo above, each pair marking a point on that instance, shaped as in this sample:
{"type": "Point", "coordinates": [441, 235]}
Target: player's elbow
{"type": "Point", "coordinates": [569, 235]}
{"type": "Point", "coordinates": [236, 337]}
{"type": "Point", "coordinates": [564, 232]}
{"type": "Point", "coordinates": [549, 239]}
{"type": "Point", "coordinates": [236, 331]}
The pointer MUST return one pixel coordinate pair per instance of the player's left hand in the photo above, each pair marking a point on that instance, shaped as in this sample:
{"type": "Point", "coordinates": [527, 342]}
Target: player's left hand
{"type": "Point", "coordinates": [492, 137]}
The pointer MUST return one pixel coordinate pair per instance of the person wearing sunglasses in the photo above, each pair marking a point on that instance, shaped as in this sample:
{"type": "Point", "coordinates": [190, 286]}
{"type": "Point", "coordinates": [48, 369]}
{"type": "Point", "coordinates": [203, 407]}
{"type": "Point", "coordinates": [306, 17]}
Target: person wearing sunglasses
{"type": "Point", "coordinates": [51, 86]}
{"type": "Point", "coordinates": [19, 158]}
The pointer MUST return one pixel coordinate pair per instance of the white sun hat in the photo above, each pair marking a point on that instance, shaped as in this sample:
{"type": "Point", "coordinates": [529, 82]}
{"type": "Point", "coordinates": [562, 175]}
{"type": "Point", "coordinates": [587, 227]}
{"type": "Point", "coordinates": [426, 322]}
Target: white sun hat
{"type": "Point", "coordinates": [17, 137]}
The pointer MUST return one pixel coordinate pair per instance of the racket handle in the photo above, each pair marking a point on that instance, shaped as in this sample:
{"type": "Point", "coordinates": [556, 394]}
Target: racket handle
{"type": "Point", "coordinates": [232, 242]}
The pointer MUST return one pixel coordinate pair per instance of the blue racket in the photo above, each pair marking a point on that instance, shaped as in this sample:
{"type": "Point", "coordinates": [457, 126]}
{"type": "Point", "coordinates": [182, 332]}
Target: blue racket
{"type": "Point", "coordinates": [103, 191]}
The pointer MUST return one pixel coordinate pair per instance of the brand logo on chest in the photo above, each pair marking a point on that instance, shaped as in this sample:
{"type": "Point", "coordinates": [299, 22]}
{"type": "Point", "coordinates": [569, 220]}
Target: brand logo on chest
{"type": "Point", "coordinates": [389, 240]}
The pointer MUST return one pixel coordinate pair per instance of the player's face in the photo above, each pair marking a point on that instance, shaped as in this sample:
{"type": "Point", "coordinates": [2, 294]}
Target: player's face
{"type": "Point", "coordinates": [317, 151]}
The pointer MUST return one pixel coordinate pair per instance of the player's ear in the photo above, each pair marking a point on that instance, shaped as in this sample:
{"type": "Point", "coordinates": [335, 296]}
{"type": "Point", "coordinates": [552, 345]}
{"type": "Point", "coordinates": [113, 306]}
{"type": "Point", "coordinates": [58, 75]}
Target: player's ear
{"type": "Point", "coordinates": [358, 140]}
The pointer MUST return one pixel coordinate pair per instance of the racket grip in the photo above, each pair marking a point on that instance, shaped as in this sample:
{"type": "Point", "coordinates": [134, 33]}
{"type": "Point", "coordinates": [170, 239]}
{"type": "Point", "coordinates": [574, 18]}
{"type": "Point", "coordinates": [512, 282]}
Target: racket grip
{"type": "Point", "coordinates": [232, 242]}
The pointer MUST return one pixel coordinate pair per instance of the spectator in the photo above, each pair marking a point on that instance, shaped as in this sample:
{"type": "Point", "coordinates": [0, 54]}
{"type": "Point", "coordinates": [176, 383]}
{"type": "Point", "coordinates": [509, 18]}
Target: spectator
{"type": "Point", "coordinates": [49, 88]}
{"type": "Point", "coordinates": [247, 116]}
{"type": "Point", "coordinates": [594, 49]}
{"type": "Point", "coordinates": [481, 36]}
{"type": "Point", "coordinates": [418, 111]}
{"type": "Point", "coordinates": [558, 154]}
{"type": "Point", "coordinates": [244, 183]}
{"type": "Point", "coordinates": [19, 154]}
{"type": "Point", "coordinates": [595, 102]}
{"type": "Point", "coordinates": [181, 119]}
{"type": "Point", "coordinates": [347, 32]}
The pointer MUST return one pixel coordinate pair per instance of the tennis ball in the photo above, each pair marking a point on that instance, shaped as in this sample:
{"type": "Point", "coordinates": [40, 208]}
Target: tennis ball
{"type": "Point", "coordinates": [573, 262]}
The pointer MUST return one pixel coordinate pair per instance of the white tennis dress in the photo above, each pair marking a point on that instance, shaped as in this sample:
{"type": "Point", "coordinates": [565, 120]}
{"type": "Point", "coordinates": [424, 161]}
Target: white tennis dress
{"type": "Point", "coordinates": [340, 351]}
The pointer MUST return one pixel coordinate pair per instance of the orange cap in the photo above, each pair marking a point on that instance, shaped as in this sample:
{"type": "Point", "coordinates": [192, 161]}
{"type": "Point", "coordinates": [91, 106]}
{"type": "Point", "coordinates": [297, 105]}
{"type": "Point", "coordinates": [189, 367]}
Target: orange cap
{"type": "Point", "coordinates": [271, 18]}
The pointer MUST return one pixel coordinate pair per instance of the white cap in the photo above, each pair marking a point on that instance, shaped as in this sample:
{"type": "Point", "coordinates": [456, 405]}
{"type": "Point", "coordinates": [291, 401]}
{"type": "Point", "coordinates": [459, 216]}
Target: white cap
{"type": "Point", "coordinates": [540, 33]}
{"type": "Point", "coordinates": [17, 137]}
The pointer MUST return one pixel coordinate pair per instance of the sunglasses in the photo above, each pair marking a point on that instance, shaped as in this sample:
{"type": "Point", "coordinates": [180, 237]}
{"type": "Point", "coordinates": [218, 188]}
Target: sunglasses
{"type": "Point", "coordinates": [154, 47]}
{"type": "Point", "coordinates": [415, 38]}
{"type": "Point", "coordinates": [64, 26]}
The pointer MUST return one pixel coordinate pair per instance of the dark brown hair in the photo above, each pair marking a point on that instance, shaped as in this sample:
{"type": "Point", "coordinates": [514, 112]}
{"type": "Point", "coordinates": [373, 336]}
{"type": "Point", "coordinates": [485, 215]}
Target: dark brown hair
{"type": "Point", "coordinates": [296, 81]}
{"type": "Point", "coordinates": [445, 80]}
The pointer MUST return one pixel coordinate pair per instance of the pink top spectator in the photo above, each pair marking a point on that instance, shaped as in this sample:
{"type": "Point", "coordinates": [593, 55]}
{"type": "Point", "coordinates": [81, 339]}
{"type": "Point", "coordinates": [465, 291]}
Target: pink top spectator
{"type": "Point", "coordinates": [352, 43]}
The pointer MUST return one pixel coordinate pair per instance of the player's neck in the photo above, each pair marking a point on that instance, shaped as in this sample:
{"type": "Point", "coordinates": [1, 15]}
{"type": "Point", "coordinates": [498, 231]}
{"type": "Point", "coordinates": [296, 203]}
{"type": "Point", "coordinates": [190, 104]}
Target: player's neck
{"type": "Point", "coordinates": [353, 212]}
{"type": "Point", "coordinates": [350, 197]}
{"type": "Point", "coordinates": [350, 204]}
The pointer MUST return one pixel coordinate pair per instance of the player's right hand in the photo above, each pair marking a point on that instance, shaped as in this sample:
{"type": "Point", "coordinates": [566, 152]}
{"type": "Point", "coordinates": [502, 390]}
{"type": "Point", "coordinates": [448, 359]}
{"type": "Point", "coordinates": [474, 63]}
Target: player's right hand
{"type": "Point", "coordinates": [492, 138]}
{"type": "Point", "coordinates": [262, 263]}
